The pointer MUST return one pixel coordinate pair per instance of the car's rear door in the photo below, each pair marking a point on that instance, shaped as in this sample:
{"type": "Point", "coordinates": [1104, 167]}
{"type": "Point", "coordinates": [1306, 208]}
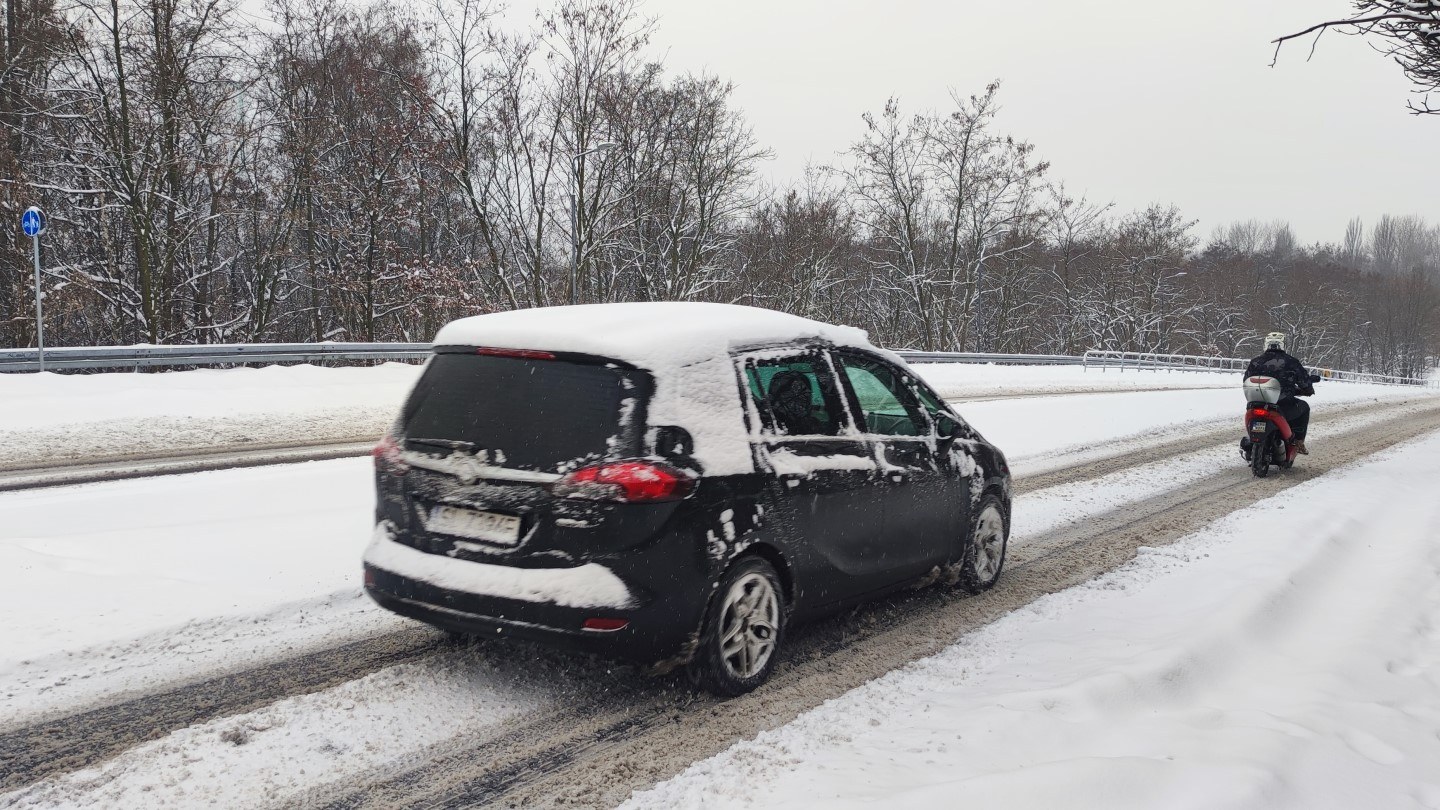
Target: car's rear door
{"type": "Point", "coordinates": [820, 473]}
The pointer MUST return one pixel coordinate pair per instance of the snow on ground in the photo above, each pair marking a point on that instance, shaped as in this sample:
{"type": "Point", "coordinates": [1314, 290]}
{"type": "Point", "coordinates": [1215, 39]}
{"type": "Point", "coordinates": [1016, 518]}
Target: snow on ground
{"type": "Point", "coordinates": [968, 380]}
{"type": "Point", "coordinates": [347, 730]}
{"type": "Point", "coordinates": [267, 756]}
{"type": "Point", "coordinates": [205, 570]}
{"type": "Point", "coordinates": [1286, 656]}
{"type": "Point", "coordinates": [58, 417]}
{"type": "Point", "coordinates": [216, 568]}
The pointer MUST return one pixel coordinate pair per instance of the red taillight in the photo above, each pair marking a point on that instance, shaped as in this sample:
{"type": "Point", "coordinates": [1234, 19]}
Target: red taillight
{"type": "Point", "coordinates": [527, 354]}
{"type": "Point", "coordinates": [1258, 413]}
{"type": "Point", "coordinates": [389, 456]}
{"type": "Point", "coordinates": [626, 482]}
{"type": "Point", "coordinates": [606, 625]}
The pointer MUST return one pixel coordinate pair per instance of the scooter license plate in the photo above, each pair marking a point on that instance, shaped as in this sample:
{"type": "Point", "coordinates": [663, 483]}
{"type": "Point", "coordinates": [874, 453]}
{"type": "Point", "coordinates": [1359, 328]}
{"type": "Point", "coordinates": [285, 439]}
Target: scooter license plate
{"type": "Point", "coordinates": [489, 526]}
{"type": "Point", "coordinates": [1257, 427]}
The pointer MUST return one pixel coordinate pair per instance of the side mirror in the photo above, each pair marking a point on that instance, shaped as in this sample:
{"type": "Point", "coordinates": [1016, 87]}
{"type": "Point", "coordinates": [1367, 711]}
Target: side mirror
{"type": "Point", "coordinates": [947, 427]}
{"type": "Point", "coordinates": [672, 441]}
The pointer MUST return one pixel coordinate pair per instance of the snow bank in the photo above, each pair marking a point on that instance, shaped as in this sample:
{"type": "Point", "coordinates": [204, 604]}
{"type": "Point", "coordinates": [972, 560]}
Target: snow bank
{"type": "Point", "coordinates": [49, 418]}
{"type": "Point", "coordinates": [100, 562]}
{"type": "Point", "coordinates": [979, 380]}
{"type": "Point", "coordinates": [1285, 657]}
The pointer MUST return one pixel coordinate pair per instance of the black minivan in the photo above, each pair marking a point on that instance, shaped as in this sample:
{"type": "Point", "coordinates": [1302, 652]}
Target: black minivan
{"type": "Point", "coordinates": [673, 483]}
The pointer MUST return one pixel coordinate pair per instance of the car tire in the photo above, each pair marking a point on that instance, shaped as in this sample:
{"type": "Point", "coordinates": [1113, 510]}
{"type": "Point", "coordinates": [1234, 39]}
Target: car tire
{"type": "Point", "coordinates": [744, 628]}
{"type": "Point", "coordinates": [985, 544]}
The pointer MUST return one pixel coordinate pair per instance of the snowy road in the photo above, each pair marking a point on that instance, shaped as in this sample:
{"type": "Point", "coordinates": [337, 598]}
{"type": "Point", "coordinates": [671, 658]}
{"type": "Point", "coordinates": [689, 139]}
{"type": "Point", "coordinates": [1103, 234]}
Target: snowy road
{"type": "Point", "coordinates": [479, 723]}
{"type": "Point", "coordinates": [180, 675]}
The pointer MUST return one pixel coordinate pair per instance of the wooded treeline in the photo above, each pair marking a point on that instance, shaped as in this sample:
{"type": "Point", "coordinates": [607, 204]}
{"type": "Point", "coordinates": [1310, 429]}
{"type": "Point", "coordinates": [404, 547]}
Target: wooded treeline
{"type": "Point", "coordinates": [331, 171]}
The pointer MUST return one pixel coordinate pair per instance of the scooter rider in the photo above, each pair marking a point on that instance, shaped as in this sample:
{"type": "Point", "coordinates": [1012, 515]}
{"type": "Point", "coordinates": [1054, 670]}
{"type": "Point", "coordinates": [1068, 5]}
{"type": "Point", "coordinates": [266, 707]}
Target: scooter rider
{"type": "Point", "coordinates": [1294, 380]}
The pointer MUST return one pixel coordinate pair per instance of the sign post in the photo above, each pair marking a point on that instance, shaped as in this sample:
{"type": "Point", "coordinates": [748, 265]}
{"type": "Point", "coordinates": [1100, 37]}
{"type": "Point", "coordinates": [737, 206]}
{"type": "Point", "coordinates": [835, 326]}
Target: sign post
{"type": "Point", "coordinates": [32, 222]}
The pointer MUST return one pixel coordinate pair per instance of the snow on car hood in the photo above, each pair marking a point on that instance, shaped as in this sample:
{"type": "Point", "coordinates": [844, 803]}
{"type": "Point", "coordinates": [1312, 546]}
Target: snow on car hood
{"type": "Point", "coordinates": [684, 345]}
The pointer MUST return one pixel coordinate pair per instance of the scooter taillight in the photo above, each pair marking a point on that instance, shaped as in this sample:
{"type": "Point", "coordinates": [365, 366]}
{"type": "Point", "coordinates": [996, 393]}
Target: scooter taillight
{"type": "Point", "coordinates": [1257, 413]}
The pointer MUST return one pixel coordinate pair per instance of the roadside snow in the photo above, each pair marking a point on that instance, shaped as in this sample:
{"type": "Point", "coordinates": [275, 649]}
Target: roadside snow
{"type": "Point", "coordinates": [122, 581]}
{"type": "Point", "coordinates": [55, 418]}
{"type": "Point", "coordinates": [1287, 656]}
{"type": "Point", "coordinates": [972, 380]}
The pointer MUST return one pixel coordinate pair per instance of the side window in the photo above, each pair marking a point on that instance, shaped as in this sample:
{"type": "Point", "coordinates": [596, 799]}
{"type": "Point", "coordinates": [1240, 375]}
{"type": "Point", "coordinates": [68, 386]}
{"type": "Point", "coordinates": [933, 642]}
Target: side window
{"type": "Point", "coordinates": [931, 402]}
{"type": "Point", "coordinates": [885, 403]}
{"type": "Point", "coordinates": [795, 396]}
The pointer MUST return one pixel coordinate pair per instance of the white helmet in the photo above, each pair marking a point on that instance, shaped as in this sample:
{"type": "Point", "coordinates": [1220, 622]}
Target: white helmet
{"type": "Point", "coordinates": [1275, 340]}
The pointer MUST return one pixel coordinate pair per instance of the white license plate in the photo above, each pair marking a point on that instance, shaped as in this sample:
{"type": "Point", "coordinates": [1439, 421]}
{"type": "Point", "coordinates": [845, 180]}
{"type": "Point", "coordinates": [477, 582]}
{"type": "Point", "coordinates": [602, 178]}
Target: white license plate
{"type": "Point", "coordinates": [1258, 427]}
{"type": "Point", "coordinates": [488, 526]}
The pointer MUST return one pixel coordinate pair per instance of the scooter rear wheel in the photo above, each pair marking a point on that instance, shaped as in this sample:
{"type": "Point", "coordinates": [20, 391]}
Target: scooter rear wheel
{"type": "Point", "coordinates": [1260, 456]}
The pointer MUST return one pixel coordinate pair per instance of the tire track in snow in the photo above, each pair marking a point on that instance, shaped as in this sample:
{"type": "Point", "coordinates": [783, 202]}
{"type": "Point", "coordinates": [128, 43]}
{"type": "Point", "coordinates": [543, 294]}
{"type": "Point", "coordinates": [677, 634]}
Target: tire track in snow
{"type": "Point", "coordinates": [67, 743]}
{"type": "Point", "coordinates": [599, 753]}
{"type": "Point", "coordinates": [79, 740]}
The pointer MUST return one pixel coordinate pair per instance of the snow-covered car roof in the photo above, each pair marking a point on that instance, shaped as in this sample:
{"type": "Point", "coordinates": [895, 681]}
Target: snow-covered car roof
{"type": "Point", "coordinates": [685, 346]}
{"type": "Point", "coordinates": [650, 335]}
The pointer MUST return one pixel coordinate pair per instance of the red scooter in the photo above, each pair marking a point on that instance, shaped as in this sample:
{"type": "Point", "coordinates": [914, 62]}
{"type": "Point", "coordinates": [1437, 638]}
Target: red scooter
{"type": "Point", "coordinates": [1268, 438]}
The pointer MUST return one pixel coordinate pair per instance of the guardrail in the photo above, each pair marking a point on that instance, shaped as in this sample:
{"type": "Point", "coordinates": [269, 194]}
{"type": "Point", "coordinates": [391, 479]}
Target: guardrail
{"type": "Point", "coordinates": [999, 359]}
{"type": "Point", "coordinates": [1104, 358]}
{"type": "Point", "coordinates": [153, 356]}
{"type": "Point", "coordinates": [1145, 361]}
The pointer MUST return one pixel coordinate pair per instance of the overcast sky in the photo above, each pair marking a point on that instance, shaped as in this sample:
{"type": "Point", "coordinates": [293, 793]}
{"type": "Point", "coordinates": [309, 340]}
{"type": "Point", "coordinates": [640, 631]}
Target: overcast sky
{"type": "Point", "coordinates": [1132, 101]}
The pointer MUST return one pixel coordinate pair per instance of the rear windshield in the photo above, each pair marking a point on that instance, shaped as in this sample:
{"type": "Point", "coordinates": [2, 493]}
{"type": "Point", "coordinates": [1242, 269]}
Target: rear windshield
{"type": "Point", "coordinates": [526, 413]}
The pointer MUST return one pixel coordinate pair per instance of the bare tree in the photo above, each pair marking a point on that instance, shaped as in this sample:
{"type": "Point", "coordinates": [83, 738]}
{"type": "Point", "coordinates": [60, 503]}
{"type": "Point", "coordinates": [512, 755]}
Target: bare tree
{"type": "Point", "coordinates": [1406, 31]}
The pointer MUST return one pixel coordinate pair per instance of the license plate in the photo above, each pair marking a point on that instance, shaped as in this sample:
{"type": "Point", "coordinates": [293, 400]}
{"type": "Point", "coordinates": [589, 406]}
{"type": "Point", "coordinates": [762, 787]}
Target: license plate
{"type": "Point", "coordinates": [1258, 427]}
{"type": "Point", "coordinates": [487, 526]}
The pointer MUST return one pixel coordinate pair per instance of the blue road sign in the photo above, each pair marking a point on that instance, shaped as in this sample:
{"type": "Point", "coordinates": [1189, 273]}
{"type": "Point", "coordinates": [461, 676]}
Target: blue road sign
{"type": "Point", "coordinates": [32, 222]}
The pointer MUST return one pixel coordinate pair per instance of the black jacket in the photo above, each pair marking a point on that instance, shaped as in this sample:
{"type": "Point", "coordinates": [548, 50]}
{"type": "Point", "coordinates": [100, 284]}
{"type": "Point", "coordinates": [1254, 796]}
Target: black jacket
{"type": "Point", "coordinates": [1293, 376]}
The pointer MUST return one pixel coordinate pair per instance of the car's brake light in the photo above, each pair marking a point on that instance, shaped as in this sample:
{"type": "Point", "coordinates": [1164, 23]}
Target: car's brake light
{"type": "Point", "coordinates": [626, 482]}
{"type": "Point", "coordinates": [527, 354]}
{"type": "Point", "coordinates": [389, 456]}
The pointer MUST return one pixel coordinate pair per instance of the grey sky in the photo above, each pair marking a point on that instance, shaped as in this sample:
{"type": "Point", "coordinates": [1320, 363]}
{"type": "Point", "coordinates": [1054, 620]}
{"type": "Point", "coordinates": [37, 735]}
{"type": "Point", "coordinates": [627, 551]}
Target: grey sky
{"type": "Point", "coordinates": [1132, 101]}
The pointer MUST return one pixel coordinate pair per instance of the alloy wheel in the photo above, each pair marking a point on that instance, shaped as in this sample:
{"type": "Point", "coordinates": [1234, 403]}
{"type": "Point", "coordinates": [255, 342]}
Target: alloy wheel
{"type": "Point", "coordinates": [989, 544]}
{"type": "Point", "coordinates": [749, 622]}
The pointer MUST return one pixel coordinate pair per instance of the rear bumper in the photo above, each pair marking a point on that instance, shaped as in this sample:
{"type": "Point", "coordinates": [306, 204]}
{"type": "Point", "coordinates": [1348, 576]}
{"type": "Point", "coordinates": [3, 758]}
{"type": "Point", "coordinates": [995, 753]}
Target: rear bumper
{"type": "Point", "coordinates": [549, 605]}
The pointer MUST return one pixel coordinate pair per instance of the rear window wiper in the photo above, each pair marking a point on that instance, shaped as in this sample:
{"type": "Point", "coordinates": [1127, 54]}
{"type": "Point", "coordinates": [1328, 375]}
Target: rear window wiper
{"type": "Point", "coordinates": [447, 444]}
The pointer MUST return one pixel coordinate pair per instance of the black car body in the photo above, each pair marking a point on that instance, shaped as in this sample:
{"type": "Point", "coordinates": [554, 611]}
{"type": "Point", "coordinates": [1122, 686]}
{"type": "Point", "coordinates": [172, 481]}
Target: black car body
{"type": "Point", "coordinates": [555, 476]}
